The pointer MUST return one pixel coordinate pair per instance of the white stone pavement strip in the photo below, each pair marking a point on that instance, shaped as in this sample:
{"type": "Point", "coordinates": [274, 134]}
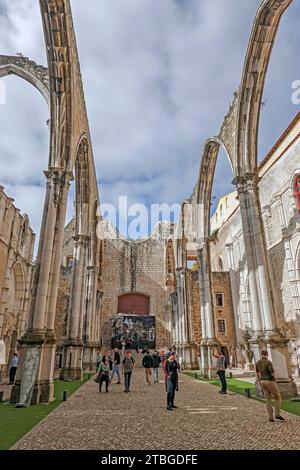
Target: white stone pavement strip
{"type": "Point", "coordinates": [139, 420]}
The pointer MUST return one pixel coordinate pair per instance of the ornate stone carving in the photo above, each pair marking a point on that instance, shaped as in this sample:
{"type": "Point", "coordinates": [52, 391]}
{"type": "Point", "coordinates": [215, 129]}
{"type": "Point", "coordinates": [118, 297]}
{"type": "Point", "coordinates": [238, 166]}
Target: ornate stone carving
{"type": "Point", "coordinates": [38, 71]}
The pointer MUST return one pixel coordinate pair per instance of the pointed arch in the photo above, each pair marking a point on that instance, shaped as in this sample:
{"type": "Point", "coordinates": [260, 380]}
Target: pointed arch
{"type": "Point", "coordinates": [27, 70]}
{"type": "Point", "coordinates": [262, 39]}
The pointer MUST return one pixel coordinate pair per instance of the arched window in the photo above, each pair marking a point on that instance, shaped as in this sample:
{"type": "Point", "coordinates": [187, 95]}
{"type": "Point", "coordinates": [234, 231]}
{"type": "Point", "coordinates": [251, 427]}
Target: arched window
{"type": "Point", "coordinates": [297, 192]}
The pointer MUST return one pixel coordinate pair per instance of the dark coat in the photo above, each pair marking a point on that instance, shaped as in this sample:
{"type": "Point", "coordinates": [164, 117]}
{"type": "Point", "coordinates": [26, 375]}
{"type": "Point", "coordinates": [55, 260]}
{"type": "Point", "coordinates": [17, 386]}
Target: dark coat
{"type": "Point", "coordinates": [147, 361]}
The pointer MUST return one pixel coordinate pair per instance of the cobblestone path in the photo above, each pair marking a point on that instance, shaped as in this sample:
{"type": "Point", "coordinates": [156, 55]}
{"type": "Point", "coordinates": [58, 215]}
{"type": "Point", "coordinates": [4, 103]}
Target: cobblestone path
{"type": "Point", "coordinates": [139, 420]}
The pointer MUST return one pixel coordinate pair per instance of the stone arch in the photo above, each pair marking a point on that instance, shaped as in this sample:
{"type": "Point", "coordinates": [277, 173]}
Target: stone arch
{"type": "Point", "coordinates": [16, 297]}
{"type": "Point", "coordinates": [220, 266]}
{"type": "Point", "coordinates": [70, 147]}
{"type": "Point", "coordinates": [28, 70]}
{"type": "Point", "coordinates": [205, 184]}
{"type": "Point", "coordinates": [256, 64]}
{"type": "Point", "coordinates": [82, 188]}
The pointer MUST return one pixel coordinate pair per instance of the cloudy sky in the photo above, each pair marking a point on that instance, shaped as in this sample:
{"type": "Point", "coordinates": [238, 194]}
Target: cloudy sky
{"type": "Point", "coordinates": [158, 76]}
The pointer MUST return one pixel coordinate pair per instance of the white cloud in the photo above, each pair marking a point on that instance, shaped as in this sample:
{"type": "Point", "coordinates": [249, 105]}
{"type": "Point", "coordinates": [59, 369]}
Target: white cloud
{"type": "Point", "coordinates": [158, 79]}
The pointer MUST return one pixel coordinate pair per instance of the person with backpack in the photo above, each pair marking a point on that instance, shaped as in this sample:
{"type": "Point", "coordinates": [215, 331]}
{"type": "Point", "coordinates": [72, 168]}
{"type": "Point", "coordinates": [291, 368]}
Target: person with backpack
{"type": "Point", "coordinates": [156, 362]}
{"type": "Point", "coordinates": [221, 369]}
{"type": "Point", "coordinates": [147, 363]}
{"type": "Point", "coordinates": [127, 368]}
{"type": "Point", "coordinates": [103, 374]}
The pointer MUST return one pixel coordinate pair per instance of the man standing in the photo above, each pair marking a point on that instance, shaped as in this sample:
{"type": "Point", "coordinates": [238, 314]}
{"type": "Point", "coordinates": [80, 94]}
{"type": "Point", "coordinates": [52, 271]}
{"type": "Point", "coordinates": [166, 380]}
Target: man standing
{"type": "Point", "coordinates": [116, 365]}
{"type": "Point", "coordinates": [221, 370]}
{"type": "Point", "coordinates": [171, 370]}
{"type": "Point", "coordinates": [156, 361]}
{"type": "Point", "coordinates": [13, 368]}
{"type": "Point", "coordinates": [266, 376]}
{"type": "Point", "coordinates": [127, 366]}
{"type": "Point", "coordinates": [147, 363]}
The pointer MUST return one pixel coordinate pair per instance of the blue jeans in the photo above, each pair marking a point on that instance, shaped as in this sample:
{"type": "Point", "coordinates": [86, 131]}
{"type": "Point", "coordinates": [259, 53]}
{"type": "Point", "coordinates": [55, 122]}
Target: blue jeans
{"type": "Point", "coordinates": [155, 373]}
{"type": "Point", "coordinates": [116, 369]}
{"type": "Point", "coordinates": [171, 388]}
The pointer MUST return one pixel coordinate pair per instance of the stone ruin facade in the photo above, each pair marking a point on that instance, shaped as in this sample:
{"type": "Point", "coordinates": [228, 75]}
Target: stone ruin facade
{"type": "Point", "coordinates": [16, 267]}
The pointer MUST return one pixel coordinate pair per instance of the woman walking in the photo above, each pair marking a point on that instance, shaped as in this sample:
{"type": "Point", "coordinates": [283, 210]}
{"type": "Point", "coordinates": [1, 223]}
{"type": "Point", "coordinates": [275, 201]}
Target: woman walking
{"type": "Point", "coordinates": [103, 374]}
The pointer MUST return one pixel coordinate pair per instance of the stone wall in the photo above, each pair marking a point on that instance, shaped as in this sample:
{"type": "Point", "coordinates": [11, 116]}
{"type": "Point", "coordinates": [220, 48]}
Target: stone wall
{"type": "Point", "coordinates": [221, 285]}
{"type": "Point", "coordinates": [135, 266]}
{"type": "Point", "coordinates": [281, 221]}
{"type": "Point", "coordinates": [126, 267]}
{"type": "Point", "coordinates": [16, 252]}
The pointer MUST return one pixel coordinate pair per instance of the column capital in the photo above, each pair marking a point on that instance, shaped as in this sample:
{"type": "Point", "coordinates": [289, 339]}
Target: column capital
{"type": "Point", "coordinates": [58, 174]}
{"type": "Point", "coordinates": [247, 182]}
{"type": "Point", "coordinates": [80, 240]}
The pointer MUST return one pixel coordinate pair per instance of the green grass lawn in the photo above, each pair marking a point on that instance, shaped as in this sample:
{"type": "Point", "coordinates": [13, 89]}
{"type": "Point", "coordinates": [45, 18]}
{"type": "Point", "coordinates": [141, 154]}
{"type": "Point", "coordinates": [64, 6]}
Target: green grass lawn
{"type": "Point", "coordinates": [238, 386]}
{"type": "Point", "coordinates": [16, 422]}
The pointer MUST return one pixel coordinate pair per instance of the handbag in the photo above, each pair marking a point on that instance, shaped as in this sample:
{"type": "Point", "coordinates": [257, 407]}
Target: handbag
{"type": "Point", "coordinates": [98, 378]}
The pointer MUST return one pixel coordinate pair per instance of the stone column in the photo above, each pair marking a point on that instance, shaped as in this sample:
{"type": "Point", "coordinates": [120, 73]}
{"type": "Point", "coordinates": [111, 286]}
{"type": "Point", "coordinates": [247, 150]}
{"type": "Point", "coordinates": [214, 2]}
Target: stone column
{"type": "Point", "coordinates": [180, 311]}
{"type": "Point", "coordinates": [231, 264]}
{"type": "Point", "coordinates": [34, 380]}
{"type": "Point", "coordinates": [208, 342]}
{"type": "Point", "coordinates": [89, 342]}
{"type": "Point", "coordinates": [266, 332]}
{"type": "Point", "coordinates": [73, 345]}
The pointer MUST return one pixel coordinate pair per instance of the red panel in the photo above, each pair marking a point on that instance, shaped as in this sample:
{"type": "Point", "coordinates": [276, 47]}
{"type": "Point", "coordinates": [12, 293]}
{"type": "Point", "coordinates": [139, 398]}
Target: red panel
{"type": "Point", "coordinates": [137, 304]}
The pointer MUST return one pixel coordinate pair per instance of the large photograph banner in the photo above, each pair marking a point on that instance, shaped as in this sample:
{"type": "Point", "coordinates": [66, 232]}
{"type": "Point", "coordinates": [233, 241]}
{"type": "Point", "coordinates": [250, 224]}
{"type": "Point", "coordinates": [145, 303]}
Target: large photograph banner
{"type": "Point", "coordinates": [133, 332]}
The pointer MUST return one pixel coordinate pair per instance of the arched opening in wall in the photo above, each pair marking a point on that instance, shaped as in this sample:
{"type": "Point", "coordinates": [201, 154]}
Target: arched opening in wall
{"type": "Point", "coordinates": [15, 316]}
{"type": "Point", "coordinates": [225, 221]}
{"type": "Point", "coordinates": [134, 304]}
{"type": "Point", "coordinates": [281, 98]}
{"type": "Point", "coordinates": [220, 264]}
{"type": "Point", "coordinates": [24, 148]}
{"type": "Point", "coordinates": [24, 151]}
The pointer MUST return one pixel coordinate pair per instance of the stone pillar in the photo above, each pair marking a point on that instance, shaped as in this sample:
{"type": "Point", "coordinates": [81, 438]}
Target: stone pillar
{"type": "Point", "coordinates": [73, 345]}
{"type": "Point", "coordinates": [89, 356]}
{"type": "Point", "coordinates": [180, 311]}
{"type": "Point", "coordinates": [37, 353]}
{"type": "Point", "coordinates": [231, 264]}
{"type": "Point", "coordinates": [209, 342]}
{"type": "Point", "coordinates": [192, 350]}
{"type": "Point", "coordinates": [266, 332]}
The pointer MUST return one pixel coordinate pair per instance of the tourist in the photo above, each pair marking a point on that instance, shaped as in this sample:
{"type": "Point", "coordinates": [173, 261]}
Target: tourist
{"type": "Point", "coordinates": [123, 344]}
{"type": "Point", "coordinates": [266, 376]}
{"type": "Point", "coordinates": [110, 361]}
{"type": "Point", "coordinates": [164, 363]}
{"type": "Point", "coordinates": [103, 374]}
{"type": "Point", "coordinates": [13, 368]}
{"type": "Point", "coordinates": [221, 369]}
{"type": "Point", "coordinates": [116, 365]}
{"type": "Point", "coordinates": [147, 363]}
{"type": "Point", "coordinates": [127, 367]}
{"type": "Point", "coordinates": [171, 369]}
{"type": "Point", "coordinates": [162, 357]}
{"type": "Point", "coordinates": [98, 359]}
{"type": "Point", "coordinates": [156, 361]}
